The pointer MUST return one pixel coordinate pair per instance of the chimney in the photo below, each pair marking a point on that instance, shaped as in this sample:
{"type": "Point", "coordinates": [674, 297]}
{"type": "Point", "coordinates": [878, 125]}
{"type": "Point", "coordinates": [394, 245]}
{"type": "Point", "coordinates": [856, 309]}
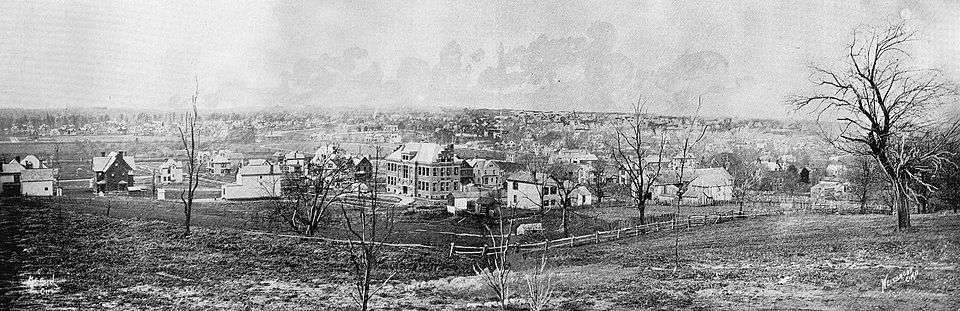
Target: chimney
{"type": "Point", "coordinates": [103, 153]}
{"type": "Point", "coordinates": [17, 158]}
{"type": "Point", "coordinates": [120, 154]}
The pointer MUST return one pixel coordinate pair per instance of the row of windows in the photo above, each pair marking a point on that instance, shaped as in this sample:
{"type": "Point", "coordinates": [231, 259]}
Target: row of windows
{"type": "Point", "coordinates": [437, 186]}
{"type": "Point", "coordinates": [546, 190]}
{"type": "Point", "coordinates": [424, 171]}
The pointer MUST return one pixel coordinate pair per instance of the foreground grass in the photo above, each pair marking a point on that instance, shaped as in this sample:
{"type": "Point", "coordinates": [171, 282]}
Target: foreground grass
{"type": "Point", "coordinates": [93, 262]}
{"type": "Point", "coordinates": [797, 262]}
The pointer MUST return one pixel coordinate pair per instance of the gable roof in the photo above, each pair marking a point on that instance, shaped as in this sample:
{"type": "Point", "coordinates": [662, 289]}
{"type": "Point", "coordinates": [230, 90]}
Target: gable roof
{"type": "Point", "coordinates": [33, 161]}
{"type": "Point", "coordinates": [509, 167]}
{"type": "Point", "coordinates": [101, 164]}
{"type": "Point", "coordinates": [219, 158]}
{"type": "Point", "coordinates": [711, 177]}
{"type": "Point", "coordinates": [423, 152]}
{"type": "Point", "coordinates": [170, 163]}
{"type": "Point", "coordinates": [13, 167]}
{"type": "Point", "coordinates": [261, 167]}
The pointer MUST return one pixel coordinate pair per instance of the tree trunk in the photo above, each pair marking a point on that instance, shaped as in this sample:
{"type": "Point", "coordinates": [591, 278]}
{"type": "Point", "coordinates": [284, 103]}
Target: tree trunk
{"type": "Point", "coordinates": [902, 207]}
{"type": "Point", "coordinates": [641, 209]}
{"type": "Point", "coordinates": [563, 217]}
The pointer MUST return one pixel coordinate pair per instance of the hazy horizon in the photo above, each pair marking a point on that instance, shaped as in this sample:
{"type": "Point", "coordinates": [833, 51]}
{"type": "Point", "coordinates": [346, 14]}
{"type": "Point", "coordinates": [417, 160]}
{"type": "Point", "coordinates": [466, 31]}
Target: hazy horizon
{"type": "Point", "coordinates": [564, 55]}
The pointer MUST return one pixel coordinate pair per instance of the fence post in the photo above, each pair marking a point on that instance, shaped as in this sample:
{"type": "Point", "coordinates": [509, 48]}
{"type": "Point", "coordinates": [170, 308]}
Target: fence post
{"type": "Point", "coordinates": [618, 233]}
{"type": "Point", "coordinates": [483, 254]}
{"type": "Point", "coordinates": [546, 246]}
{"type": "Point", "coordinates": [451, 249]}
{"type": "Point", "coordinates": [596, 236]}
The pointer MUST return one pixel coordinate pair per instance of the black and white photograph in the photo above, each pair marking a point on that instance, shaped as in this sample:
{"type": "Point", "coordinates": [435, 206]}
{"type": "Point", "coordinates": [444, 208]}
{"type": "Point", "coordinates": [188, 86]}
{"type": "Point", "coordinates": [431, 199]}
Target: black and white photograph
{"type": "Point", "coordinates": [479, 155]}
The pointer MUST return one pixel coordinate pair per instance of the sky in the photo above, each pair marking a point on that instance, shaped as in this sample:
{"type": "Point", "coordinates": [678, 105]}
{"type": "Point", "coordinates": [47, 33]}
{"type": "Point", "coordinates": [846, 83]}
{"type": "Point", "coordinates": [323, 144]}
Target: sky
{"type": "Point", "coordinates": [147, 54]}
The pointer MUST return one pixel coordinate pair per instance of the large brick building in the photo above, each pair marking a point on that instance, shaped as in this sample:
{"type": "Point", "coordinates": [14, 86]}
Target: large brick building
{"type": "Point", "coordinates": [422, 170]}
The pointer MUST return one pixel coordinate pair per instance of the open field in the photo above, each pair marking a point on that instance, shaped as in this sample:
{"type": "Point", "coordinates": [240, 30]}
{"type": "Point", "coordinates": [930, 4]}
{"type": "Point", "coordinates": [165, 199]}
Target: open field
{"type": "Point", "coordinates": [813, 262]}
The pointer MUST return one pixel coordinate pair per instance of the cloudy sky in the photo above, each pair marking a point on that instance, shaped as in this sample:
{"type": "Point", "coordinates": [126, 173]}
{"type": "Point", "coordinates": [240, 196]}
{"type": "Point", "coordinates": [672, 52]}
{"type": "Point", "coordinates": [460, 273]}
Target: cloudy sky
{"type": "Point", "coordinates": [147, 53]}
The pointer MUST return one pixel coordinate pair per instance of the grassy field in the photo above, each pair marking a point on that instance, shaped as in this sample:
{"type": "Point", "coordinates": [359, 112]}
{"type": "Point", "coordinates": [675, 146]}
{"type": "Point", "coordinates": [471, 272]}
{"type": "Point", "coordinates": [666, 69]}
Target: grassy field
{"type": "Point", "coordinates": [811, 262]}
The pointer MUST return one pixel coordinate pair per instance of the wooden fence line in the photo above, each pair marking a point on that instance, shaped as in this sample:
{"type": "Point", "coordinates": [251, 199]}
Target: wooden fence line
{"type": "Point", "coordinates": [604, 236]}
{"type": "Point", "coordinates": [339, 241]}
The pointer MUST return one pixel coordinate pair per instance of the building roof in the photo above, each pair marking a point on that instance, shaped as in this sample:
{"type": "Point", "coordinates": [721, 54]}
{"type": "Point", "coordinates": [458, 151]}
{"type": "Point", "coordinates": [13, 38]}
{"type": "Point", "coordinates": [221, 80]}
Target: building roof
{"type": "Point", "coordinates": [711, 177]}
{"type": "Point", "coordinates": [261, 168]}
{"type": "Point", "coordinates": [219, 158]}
{"type": "Point", "coordinates": [509, 167]}
{"type": "Point", "coordinates": [33, 162]}
{"type": "Point", "coordinates": [101, 164]}
{"type": "Point", "coordinates": [13, 167]}
{"type": "Point", "coordinates": [38, 174]}
{"type": "Point", "coordinates": [171, 163]}
{"type": "Point", "coordinates": [422, 152]}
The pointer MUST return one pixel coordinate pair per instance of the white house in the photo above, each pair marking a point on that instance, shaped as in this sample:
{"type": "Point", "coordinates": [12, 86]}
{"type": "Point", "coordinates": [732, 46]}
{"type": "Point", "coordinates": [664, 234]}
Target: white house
{"type": "Point", "coordinates": [463, 201]}
{"type": "Point", "coordinates": [169, 172]}
{"type": "Point", "coordinates": [531, 191]}
{"type": "Point", "coordinates": [715, 183]}
{"type": "Point", "coordinates": [38, 182]}
{"type": "Point", "coordinates": [526, 190]}
{"type": "Point", "coordinates": [259, 179]}
{"type": "Point", "coordinates": [219, 164]}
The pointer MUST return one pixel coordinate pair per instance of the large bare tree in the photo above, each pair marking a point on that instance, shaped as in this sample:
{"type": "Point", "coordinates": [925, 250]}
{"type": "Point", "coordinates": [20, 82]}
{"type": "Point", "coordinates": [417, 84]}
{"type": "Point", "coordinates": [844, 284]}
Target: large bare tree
{"type": "Point", "coordinates": [630, 150]}
{"type": "Point", "coordinates": [370, 223]}
{"type": "Point", "coordinates": [188, 136]}
{"type": "Point", "coordinates": [884, 107]}
{"type": "Point", "coordinates": [306, 200]}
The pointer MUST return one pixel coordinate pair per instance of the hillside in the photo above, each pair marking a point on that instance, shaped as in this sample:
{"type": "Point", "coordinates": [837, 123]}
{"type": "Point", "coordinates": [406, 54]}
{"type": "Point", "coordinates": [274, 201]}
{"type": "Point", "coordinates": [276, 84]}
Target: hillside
{"type": "Point", "coordinates": [65, 258]}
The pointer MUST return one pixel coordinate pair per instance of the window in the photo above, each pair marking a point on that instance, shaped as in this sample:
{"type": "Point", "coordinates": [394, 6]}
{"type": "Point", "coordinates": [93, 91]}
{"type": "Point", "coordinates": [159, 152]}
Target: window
{"type": "Point", "coordinates": [516, 186]}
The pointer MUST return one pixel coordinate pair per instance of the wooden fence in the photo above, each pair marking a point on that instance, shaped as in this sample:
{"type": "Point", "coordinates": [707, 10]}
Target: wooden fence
{"type": "Point", "coordinates": [604, 236]}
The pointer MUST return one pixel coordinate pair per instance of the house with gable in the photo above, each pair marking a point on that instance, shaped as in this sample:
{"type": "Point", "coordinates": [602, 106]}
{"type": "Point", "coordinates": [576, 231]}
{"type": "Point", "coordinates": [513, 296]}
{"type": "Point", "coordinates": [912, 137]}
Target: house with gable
{"type": "Point", "coordinates": [259, 179]}
{"type": "Point", "coordinates": [10, 174]}
{"type": "Point", "coordinates": [170, 171]}
{"type": "Point", "coordinates": [113, 172]}
{"type": "Point", "coordinates": [38, 182]}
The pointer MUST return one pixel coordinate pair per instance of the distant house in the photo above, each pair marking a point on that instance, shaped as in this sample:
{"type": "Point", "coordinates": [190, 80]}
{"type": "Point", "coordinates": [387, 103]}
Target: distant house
{"type": "Point", "coordinates": [829, 188]}
{"type": "Point", "coordinates": [259, 179]}
{"type": "Point", "coordinates": [38, 182]}
{"type": "Point", "coordinates": [493, 173]}
{"type": "Point", "coordinates": [10, 177]}
{"type": "Point", "coordinates": [219, 165]}
{"type": "Point", "coordinates": [573, 156]}
{"type": "Point", "coordinates": [295, 162]}
{"type": "Point", "coordinates": [170, 171]}
{"type": "Point", "coordinates": [716, 185]}
{"type": "Point", "coordinates": [463, 201]}
{"type": "Point", "coordinates": [703, 186]}
{"type": "Point", "coordinates": [362, 168]}
{"type": "Point", "coordinates": [535, 191]}
{"type": "Point", "coordinates": [423, 170]}
{"type": "Point", "coordinates": [466, 173]}
{"type": "Point", "coordinates": [114, 172]}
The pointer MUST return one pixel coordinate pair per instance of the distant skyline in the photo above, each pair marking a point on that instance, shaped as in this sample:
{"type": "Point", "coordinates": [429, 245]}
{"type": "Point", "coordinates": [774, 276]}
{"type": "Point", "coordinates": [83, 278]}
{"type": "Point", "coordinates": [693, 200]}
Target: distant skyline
{"type": "Point", "coordinates": [747, 56]}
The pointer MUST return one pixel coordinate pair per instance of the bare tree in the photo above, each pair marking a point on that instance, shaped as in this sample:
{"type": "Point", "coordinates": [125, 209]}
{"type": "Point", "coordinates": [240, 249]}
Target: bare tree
{"type": "Point", "coordinates": [598, 179]}
{"type": "Point", "coordinates": [370, 228]}
{"type": "Point", "coordinates": [863, 180]}
{"type": "Point", "coordinates": [494, 268]}
{"type": "Point", "coordinates": [188, 136]}
{"type": "Point", "coordinates": [690, 136]}
{"type": "Point", "coordinates": [306, 200]}
{"type": "Point", "coordinates": [630, 151]}
{"type": "Point", "coordinates": [882, 105]}
{"type": "Point", "coordinates": [566, 182]}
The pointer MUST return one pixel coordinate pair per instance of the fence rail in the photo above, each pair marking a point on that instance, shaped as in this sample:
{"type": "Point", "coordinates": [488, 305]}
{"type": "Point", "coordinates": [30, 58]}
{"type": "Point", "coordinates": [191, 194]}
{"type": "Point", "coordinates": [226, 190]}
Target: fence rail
{"type": "Point", "coordinates": [605, 236]}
